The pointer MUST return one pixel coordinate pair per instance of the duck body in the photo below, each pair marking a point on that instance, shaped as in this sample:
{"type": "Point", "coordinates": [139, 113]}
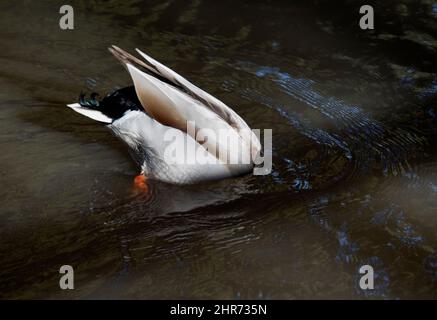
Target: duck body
{"type": "Point", "coordinates": [153, 118]}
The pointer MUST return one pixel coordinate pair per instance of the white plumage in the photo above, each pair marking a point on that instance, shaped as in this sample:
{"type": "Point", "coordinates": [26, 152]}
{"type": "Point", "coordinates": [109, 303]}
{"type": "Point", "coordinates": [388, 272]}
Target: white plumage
{"type": "Point", "coordinates": [169, 102]}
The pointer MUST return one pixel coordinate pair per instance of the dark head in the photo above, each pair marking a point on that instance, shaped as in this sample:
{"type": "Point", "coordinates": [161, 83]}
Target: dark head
{"type": "Point", "coordinates": [112, 107]}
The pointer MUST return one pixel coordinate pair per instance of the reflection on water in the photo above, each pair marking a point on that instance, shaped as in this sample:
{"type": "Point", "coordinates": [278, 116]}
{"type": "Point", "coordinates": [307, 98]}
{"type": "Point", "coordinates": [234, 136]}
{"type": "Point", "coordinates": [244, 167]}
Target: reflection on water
{"type": "Point", "coordinates": [354, 181]}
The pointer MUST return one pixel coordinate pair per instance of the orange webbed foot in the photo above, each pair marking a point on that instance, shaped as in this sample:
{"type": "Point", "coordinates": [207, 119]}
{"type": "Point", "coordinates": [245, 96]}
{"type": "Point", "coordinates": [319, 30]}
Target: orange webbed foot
{"type": "Point", "coordinates": [140, 183]}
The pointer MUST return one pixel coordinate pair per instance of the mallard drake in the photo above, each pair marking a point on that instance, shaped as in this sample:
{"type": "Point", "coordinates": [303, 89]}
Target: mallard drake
{"type": "Point", "coordinates": [162, 105]}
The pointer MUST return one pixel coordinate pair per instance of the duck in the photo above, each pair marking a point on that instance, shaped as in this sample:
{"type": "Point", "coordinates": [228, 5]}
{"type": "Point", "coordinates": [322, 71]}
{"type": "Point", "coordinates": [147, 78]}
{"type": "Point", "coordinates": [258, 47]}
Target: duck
{"type": "Point", "coordinates": [176, 132]}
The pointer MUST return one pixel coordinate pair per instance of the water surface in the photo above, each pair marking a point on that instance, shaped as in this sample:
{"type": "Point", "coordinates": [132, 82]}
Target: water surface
{"type": "Point", "coordinates": [354, 182]}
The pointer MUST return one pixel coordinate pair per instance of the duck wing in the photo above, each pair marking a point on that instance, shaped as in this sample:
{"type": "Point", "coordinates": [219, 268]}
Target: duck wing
{"type": "Point", "coordinates": [173, 86]}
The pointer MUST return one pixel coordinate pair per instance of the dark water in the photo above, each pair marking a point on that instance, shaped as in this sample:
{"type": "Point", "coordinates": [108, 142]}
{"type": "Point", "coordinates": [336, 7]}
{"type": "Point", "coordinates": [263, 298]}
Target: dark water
{"type": "Point", "coordinates": [354, 119]}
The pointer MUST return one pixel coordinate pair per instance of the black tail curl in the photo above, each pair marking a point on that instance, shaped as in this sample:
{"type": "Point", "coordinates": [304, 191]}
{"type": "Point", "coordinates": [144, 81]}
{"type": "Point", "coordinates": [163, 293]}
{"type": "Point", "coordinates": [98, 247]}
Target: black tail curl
{"type": "Point", "coordinates": [114, 104]}
{"type": "Point", "coordinates": [91, 103]}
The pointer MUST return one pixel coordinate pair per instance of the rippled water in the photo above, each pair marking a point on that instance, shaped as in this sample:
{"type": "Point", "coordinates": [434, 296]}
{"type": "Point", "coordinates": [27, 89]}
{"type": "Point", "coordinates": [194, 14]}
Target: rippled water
{"type": "Point", "coordinates": [354, 119]}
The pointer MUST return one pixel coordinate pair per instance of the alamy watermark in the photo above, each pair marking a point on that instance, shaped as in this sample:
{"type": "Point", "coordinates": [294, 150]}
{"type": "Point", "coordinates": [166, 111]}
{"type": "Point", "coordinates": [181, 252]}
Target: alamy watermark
{"type": "Point", "coordinates": [67, 280]}
{"type": "Point", "coordinates": [367, 280]}
{"type": "Point", "coordinates": [367, 20]}
{"type": "Point", "coordinates": [223, 146]}
{"type": "Point", "coordinates": [67, 20]}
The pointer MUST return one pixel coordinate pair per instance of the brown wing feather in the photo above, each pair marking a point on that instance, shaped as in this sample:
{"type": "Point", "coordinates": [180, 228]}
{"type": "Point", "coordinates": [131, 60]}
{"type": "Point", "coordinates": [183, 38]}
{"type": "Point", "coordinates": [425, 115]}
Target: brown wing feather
{"type": "Point", "coordinates": [163, 73]}
{"type": "Point", "coordinates": [202, 96]}
{"type": "Point", "coordinates": [159, 70]}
